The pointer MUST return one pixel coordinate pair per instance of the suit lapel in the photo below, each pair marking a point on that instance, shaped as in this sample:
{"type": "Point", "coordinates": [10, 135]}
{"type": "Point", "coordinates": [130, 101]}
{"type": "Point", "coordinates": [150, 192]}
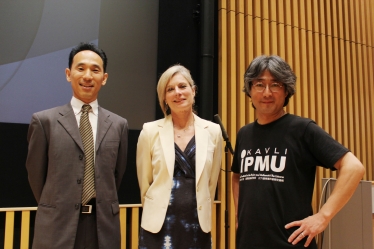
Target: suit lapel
{"type": "Point", "coordinates": [167, 143]}
{"type": "Point", "coordinates": [201, 138]}
{"type": "Point", "coordinates": [69, 122]}
{"type": "Point", "coordinates": [103, 124]}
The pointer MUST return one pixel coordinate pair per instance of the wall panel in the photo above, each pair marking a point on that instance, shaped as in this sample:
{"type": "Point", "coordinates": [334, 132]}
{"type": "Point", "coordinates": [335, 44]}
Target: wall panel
{"type": "Point", "coordinates": [329, 45]}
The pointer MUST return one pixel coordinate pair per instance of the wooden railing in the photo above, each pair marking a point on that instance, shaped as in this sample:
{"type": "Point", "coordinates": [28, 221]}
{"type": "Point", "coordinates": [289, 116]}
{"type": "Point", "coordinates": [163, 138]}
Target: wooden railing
{"type": "Point", "coordinates": [129, 225]}
{"type": "Point", "coordinates": [129, 218]}
{"type": "Point", "coordinates": [9, 226]}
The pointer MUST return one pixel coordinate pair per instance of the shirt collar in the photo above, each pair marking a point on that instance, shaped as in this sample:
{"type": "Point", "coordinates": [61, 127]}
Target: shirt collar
{"type": "Point", "coordinates": [77, 106]}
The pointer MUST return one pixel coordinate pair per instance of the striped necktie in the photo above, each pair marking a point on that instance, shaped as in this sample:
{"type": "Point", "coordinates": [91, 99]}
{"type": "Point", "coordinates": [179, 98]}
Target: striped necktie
{"type": "Point", "coordinates": [85, 130]}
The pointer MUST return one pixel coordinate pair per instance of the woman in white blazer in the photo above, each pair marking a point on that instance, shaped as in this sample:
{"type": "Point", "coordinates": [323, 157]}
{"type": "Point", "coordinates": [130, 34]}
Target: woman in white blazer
{"type": "Point", "coordinates": [178, 162]}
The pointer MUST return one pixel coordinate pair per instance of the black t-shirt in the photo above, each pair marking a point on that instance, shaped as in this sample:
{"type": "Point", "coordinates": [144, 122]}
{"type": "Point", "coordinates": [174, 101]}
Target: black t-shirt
{"type": "Point", "coordinates": [277, 164]}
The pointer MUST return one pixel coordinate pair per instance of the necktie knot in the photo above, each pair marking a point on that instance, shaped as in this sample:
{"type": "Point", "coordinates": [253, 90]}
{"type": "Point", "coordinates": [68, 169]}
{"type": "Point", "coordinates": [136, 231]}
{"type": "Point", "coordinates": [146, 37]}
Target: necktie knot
{"type": "Point", "coordinates": [86, 108]}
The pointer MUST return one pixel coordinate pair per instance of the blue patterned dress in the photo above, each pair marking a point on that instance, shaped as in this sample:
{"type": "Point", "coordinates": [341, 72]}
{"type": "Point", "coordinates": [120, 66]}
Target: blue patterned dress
{"type": "Point", "coordinates": [181, 228]}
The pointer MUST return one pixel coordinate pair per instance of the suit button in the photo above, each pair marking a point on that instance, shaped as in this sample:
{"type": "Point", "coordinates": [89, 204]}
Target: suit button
{"type": "Point", "coordinates": [79, 181]}
{"type": "Point", "coordinates": [200, 207]}
{"type": "Point", "coordinates": [80, 157]}
{"type": "Point", "coordinates": [77, 206]}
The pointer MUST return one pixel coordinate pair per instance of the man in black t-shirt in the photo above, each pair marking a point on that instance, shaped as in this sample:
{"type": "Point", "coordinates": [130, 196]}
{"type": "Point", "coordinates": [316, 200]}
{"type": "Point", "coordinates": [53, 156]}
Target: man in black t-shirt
{"type": "Point", "coordinates": [275, 162]}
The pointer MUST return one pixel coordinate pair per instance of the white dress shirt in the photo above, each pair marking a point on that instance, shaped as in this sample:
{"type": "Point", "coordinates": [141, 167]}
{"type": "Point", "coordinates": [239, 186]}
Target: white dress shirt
{"type": "Point", "coordinates": [93, 114]}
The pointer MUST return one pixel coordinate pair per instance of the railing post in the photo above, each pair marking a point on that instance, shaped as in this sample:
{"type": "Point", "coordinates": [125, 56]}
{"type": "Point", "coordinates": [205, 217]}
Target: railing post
{"type": "Point", "coordinates": [123, 221]}
{"type": "Point", "coordinates": [25, 229]}
{"type": "Point", "coordinates": [134, 227]}
{"type": "Point", "coordinates": [214, 226]}
{"type": "Point", "coordinates": [9, 230]}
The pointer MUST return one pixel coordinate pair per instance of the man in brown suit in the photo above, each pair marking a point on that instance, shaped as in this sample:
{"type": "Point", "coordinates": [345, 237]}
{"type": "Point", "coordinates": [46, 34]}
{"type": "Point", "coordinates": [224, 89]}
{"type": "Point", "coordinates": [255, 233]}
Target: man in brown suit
{"type": "Point", "coordinates": [56, 162]}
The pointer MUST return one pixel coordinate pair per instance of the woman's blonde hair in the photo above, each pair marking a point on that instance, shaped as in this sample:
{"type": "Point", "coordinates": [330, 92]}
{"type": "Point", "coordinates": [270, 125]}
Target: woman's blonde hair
{"type": "Point", "coordinates": [164, 80]}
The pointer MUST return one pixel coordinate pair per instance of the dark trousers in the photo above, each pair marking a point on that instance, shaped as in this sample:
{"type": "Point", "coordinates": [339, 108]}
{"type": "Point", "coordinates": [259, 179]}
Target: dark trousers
{"type": "Point", "coordinates": [87, 231]}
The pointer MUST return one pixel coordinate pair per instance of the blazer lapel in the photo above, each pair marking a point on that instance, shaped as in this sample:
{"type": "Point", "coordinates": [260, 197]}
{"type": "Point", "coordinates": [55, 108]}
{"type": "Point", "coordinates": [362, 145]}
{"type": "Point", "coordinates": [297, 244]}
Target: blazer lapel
{"type": "Point", "coordinates": [69, 122]}
{"type": "Point", "coordinates": [167, 143]}
{"type": "Point", "coordinates": [201, 138]}
{"type": "Point", "coordinates": [103, 124]}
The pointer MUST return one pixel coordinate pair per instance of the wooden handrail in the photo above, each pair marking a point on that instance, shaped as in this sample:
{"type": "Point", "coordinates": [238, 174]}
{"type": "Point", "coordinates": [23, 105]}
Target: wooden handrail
{"type": "Point", "coordinates": [129, 225]}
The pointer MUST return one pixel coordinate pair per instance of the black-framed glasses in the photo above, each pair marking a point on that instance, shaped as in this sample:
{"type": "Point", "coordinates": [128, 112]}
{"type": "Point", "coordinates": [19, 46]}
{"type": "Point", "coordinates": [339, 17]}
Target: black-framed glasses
{"type": "Point", "coordinates": [274, 87]}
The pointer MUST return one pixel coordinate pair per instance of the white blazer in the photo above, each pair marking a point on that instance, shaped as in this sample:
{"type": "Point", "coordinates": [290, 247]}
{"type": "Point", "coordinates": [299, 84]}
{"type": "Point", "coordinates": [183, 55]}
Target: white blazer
{"type": "Point", "coordinates": [155, 159]}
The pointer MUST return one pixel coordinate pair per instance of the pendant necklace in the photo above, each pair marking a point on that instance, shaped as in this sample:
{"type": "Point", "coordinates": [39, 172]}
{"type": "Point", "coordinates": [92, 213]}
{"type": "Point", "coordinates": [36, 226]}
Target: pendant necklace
{"type": "Point", "coordinates": [184, 130]}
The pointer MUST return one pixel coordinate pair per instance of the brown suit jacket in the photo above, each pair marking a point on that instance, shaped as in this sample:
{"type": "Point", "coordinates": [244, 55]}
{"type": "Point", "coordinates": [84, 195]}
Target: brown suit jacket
{"type": "Point", "coordinates": [55, 165]}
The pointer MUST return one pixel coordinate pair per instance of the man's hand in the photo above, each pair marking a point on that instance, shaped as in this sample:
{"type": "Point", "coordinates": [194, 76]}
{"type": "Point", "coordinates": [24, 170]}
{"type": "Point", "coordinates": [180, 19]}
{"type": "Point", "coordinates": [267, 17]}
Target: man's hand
{"type": "Point", "coordinates": [308, 227]}
{"type": "Point", "coordinates": [351, 171]}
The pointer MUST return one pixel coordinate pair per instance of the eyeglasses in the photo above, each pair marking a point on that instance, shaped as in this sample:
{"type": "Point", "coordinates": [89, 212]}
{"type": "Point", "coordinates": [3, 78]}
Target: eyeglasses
{"type": "Point", "coordinates": [274, 87]}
